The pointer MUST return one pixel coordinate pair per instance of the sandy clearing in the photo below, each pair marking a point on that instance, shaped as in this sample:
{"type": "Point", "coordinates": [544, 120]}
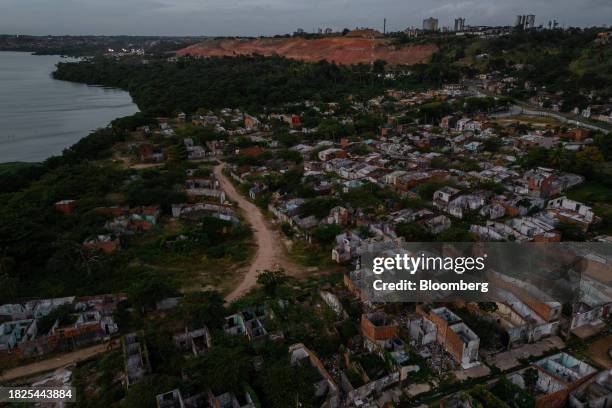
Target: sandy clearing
{"type": "Point", "coordinates": [270, 253]}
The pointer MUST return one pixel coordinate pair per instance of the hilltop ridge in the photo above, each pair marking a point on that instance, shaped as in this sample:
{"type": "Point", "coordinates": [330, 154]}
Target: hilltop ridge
{"type": "Point", "coordinates": [342, 50]}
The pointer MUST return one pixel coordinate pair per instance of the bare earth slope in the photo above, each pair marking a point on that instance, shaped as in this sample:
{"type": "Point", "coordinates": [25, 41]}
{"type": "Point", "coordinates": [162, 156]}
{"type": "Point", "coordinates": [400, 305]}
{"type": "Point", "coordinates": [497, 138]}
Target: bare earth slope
{"type": "Point", "coordinates": [270, 252]}
{"type": "Point", "coordinates": [341, 50]}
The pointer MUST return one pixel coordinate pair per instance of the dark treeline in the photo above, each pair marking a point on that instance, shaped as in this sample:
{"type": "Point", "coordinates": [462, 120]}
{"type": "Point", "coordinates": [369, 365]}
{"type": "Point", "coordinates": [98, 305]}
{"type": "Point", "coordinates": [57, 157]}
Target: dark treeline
{"type": "Point", "coordinates": [91, 45]}
{"type": "Point", "coordinates": [162, 87]}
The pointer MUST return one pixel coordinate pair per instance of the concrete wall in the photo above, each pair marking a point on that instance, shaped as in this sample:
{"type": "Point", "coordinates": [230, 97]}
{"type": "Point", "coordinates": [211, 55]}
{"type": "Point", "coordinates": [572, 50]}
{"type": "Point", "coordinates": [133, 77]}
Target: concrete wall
{"type": "Point", "coordinates": [545, 310]}
{"type": "Point", "coordinates": [377, 385]}
{"type": "Point", "coordinates": [467, 342]}
{"type": "Point", "coordinates": [333, 302]}
{"type": "Point", "coordinates": [423, 331]}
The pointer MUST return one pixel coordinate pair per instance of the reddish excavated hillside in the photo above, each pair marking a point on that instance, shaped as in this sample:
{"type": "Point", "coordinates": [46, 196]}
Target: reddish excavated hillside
{"type": "Point", "coordinates": [341, 50]}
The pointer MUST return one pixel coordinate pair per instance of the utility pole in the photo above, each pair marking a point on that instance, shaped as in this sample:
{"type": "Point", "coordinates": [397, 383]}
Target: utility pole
{"type": "Point", "coordinates": [385, 26]}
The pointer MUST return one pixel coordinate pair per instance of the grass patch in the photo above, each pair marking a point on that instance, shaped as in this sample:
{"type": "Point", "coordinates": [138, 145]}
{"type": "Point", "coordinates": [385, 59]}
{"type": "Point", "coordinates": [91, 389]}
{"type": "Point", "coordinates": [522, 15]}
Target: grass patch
{"type": "Point", "coordinates": [591, 192]}
{"type": "Point", "coordinates": [311, 255]}
{"type": "Point", "coordinates": [192, 267]}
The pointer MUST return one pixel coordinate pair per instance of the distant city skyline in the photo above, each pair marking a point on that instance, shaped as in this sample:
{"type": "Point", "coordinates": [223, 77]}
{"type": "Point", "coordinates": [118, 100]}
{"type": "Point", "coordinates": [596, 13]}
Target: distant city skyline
{"type": "Point", "coordinates": [270, 17]}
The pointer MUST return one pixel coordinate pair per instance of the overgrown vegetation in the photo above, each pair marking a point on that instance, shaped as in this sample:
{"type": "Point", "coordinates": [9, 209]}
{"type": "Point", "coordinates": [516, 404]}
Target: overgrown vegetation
{"type": "Point", "coordinates": [41, 251]}
{"type": "Point", "coordinates": [250, 82]}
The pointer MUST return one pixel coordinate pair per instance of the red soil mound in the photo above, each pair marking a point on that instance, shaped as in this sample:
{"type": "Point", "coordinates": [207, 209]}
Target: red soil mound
{"type": "Point", "coordinates": [341, 50]}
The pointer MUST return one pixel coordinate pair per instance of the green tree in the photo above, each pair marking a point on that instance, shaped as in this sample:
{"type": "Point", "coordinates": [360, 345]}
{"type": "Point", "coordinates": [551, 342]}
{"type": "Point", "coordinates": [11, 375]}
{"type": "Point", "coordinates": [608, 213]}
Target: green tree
{"type": "Point", "coordinates": [8, 282]}
{"type": "Point", "coordinates": [512, 394]}
{"type": "Point", "coordinates": [492, 144]}
{"type": "Point", "coordinates": [164, 356]}
{"type": "Point", "coordinates": [535, 157]}
{"type": "Point", "coordinates": [587, 160]}
{"type": "Point", "coordinates": [557, 157]}
{"type": "Point", "coordinates": [288, 386]}
{"type": "Point", "coordinates": [272, 280]}
{"type": "Point", "coordinates": [287, 139]}
{"type": "Point", "coordinates": [143, 393]}
{"type": "Point", "coordinates": [455, 234]}
{"type": "Point", "coordinates": [325, 234]}
{"type": "Point", "coordinates": [319, 206]}
{"type": "Point", "coordinates": [203, 309]}
{"type": "Point", "coordinates": [570, 231]}
{"type": "Point", "coordinates": [145, 293]}
{"type": "Point", "coordinates": [530, 376]}
{"type": "Point", "coordinates": [412, 232]}
{"type": "Point", "coordinates": [378, 66]}
{"type": "Point", "coordinates": [427, 190]}
{"type": "Point", "coordinates": [287, 230]}
{"type": "Point", "coordinates": [432, 112]}
{"type": "Point", "coordinates": [224, 368]}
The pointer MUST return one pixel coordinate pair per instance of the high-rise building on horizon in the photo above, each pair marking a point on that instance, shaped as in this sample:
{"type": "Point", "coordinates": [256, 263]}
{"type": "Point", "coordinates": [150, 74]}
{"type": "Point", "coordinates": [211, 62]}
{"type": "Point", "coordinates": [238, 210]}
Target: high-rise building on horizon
{"type": "Point", "coordinates": [459, 24]}
{"type": "Point", "coordinates": [430, 24]}
{"type": "Point", "coordinates": [519, 21]}
{"type": "Point", "coordinates": [525, 21]}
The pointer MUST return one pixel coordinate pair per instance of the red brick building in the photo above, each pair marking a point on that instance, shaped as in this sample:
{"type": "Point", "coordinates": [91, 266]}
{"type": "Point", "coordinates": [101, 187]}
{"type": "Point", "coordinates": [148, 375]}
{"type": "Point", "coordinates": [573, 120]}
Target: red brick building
{"type": "Point", "coordinates": [378, 327]}
{"type": "Point", "coordinates": [65, 206]}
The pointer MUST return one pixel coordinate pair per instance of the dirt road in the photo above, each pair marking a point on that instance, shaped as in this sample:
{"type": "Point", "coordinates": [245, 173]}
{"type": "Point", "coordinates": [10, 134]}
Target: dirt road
{"type": "Point", "coordinates": [270, 253]}
{"type": "Point", "coordinates": [54, 363]}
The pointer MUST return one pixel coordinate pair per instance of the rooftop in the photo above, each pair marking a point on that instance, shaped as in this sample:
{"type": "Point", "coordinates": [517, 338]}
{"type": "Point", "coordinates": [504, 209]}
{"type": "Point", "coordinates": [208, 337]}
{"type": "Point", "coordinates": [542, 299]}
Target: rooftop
{"type": "Point", "coordinates": [446, 314]}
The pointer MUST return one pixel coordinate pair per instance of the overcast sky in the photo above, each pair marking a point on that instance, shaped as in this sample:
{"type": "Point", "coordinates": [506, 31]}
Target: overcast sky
{"type": "Point", "coordinates": [266, 17]}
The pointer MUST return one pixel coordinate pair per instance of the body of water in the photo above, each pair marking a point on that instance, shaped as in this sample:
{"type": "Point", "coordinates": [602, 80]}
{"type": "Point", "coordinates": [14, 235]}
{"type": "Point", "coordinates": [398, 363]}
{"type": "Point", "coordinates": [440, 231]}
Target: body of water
{"type": "Point", "coordinates": [41, 116]}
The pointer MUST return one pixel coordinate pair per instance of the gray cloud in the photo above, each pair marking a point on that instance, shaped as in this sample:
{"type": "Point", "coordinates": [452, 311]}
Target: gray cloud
{"type": "Point", "coordinates": [265, 17]}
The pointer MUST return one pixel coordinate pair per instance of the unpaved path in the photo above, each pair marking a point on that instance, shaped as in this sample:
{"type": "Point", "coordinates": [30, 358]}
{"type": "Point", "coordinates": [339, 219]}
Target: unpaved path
{"type": "Point", "coordinates": [54, 363]}
{"type": "Point", "coordinates": [270, 253]}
